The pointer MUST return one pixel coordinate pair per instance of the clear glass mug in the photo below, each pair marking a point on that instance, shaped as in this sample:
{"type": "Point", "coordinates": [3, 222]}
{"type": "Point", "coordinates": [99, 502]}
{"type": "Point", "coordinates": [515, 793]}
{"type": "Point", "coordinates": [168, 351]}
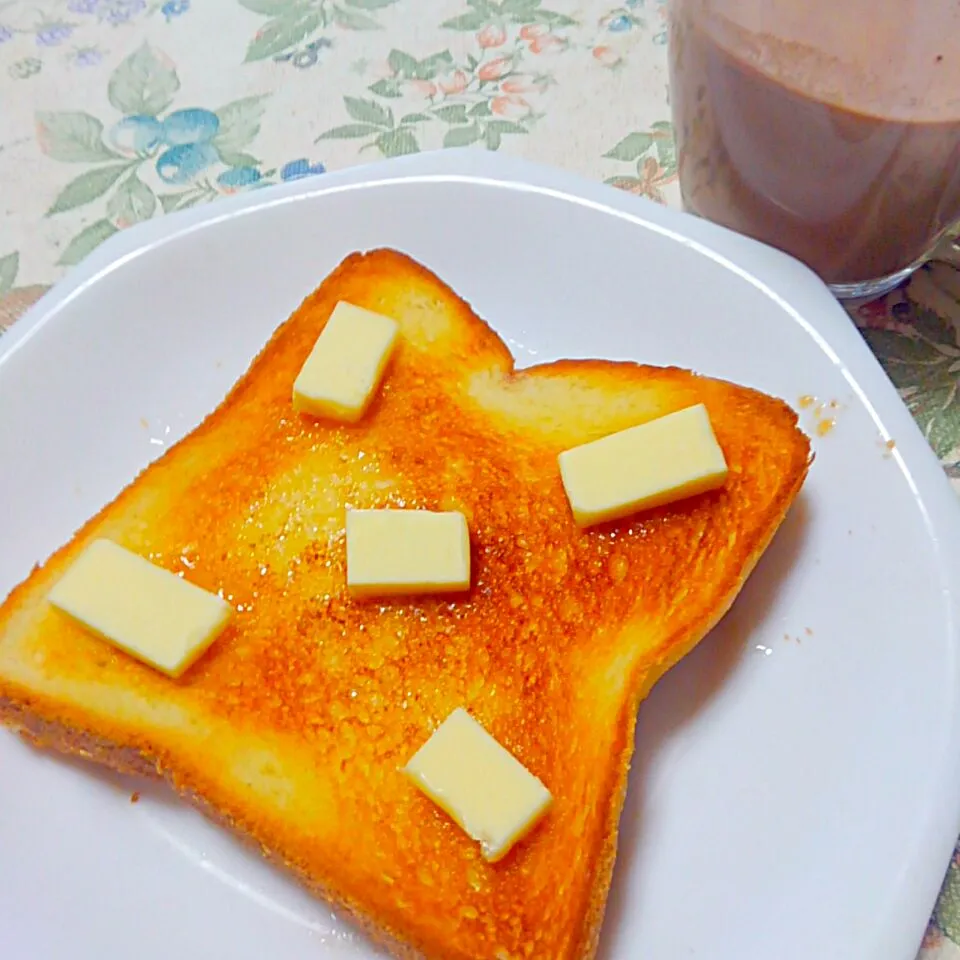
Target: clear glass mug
{"type": "Point", "coordinates": [827, 128]}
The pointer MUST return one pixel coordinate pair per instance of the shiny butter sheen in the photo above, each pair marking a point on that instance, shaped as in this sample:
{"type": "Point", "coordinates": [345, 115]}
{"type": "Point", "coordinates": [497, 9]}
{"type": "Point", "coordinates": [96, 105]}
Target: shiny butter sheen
{"type": "Point", "coordinates": [146, 611]}
{"type": "Point", "coordinates": [347, 363]}
{"type": "Point", "coordinates": [480, 784]}
{"type": "Point", "coordinates": [392, 552]}
{"type": "Point", "coordinates": [667, 459]}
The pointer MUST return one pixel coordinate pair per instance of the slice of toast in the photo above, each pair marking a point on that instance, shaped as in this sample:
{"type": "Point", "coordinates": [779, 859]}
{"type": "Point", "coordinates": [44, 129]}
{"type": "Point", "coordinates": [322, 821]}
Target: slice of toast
{"type": "Point", "coordinates": [293, 728]}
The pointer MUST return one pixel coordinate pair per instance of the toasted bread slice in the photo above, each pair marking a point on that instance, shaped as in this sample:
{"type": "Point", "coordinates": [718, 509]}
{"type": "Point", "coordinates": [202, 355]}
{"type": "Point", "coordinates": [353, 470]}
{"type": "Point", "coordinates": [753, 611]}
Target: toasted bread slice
{"type": "Point", "coordinates": [293, 728]}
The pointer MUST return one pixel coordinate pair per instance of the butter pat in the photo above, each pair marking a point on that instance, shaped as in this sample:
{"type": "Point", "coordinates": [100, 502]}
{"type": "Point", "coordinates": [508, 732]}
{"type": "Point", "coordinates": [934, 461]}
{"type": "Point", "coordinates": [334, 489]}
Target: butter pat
{"type": "Point", "coordinates": [345, 367]}
{"type": "Point", "coordinates": [391, 552]}
{"type": "Point", "coordinates": [487, 791]}
{"type": "Point", "coordinates": [655, 463]}
{"type": "Point", "coordinates": [148, 612]}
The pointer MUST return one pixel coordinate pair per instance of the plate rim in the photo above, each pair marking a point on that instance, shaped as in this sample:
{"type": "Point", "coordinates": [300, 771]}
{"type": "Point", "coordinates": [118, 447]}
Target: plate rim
{"type": "Point", "coordinates": [791, 285]}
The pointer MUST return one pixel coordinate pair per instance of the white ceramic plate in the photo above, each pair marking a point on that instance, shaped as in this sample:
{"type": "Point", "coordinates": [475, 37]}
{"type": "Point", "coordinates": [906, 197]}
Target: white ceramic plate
{"type": "Point", "coordinates": [795, 788]}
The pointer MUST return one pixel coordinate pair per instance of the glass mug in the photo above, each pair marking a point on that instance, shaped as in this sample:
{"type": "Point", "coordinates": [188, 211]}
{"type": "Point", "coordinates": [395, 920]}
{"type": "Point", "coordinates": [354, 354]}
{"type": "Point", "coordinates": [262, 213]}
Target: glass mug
{"type": "Point", "coordinates": [827, 128]}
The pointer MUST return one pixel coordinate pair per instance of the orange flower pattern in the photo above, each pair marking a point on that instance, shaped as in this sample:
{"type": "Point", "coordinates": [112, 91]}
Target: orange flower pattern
{"type": "Point", "coordinates": [495, 89]}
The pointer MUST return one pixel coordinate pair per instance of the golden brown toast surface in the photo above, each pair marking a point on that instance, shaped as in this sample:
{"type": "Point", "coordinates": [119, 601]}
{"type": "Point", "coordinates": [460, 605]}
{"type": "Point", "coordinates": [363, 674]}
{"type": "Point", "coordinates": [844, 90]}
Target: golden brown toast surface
{"type": "Point", "coordinates": [293, 727]}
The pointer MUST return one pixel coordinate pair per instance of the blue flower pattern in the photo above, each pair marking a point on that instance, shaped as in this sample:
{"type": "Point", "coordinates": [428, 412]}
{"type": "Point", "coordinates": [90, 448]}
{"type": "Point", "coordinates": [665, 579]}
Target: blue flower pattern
{"type": "Point", "coordinates": [51, 33]}
{"type": "Point", "coordinates": [237, 178]}
{"type": "Point", "coordinates": [185, 162]}
{"type": "Point", "coordinates": [136, 135]}
{"type": "Point", "coordinates": [83, 6]}
{"type": "Point", "coordinates": [115, 12]}
{"type": "Point", "coordinates": [624, 19]}
{"type": "Point", "coordinates": [109, 11]}
{"type": "Point", "coordinates": [184, 146]}
{"type": "Point", "coordinates": [87, 56]}
{"type": "Point", "coordinates": [307, 56]}
{"type": "Point", "coordinates": [174, 8]}
{"type": "Point", "coordinates": [298, 169]}
{"type": "Point", "coordinates": [191, 126]}
{"type": "Point", "coordinates": [170, 158]}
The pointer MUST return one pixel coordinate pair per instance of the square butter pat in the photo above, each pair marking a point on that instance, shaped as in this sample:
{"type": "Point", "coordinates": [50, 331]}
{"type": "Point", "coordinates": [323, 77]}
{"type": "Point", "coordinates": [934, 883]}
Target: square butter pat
{"type": "Point", "coordinates": [486, 790]}
{"type": "Point", "coordinates": [345, 367]}
{"type": "Point", "coordinates": [391, 552]}
{"type": "Point", "coordinates": [148, 612]}
{"type": "Point", "coordinates": [654, 463]}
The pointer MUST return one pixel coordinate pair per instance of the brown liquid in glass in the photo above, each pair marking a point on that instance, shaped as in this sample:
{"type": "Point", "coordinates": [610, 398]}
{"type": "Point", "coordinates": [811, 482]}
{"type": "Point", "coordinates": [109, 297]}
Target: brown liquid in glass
{"type": "Point", "coordinates": [834, 157]}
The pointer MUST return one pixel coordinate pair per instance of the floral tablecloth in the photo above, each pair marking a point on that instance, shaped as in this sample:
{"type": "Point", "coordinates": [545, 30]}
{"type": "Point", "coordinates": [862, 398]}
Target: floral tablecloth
{"type": "Point", "coordinates": [116, 111]}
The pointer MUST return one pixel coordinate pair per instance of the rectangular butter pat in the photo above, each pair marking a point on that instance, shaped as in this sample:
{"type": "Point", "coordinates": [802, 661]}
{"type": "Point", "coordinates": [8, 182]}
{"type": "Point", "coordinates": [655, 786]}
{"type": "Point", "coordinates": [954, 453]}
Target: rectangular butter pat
{"type": "Point", "coordinates": [345, 367]}
{"type": "Point", "coordinates": [645, 466]}
{"type": "Point", "coordinates": [480, 784]}
{"type": "Point", "coordinates": [392, 552]}
{"type": "Point", "coordinates": [148, 612]}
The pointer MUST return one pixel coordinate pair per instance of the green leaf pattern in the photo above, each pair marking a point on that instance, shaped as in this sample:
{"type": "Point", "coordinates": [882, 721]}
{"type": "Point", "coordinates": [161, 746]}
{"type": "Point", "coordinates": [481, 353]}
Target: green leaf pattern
{"type": "Point", "coordinates": [921, 355]}
{"type": "Point", "coordinates": [239, 124]}
{"type": "Point", "coordinates": [86, 241]}
{"type": "Point", "coordinates": [395, 143]}
{"type": "Point", "coordinates": [73, 137]}
{"type": "Point", "coordinates": [144, 84]}
{"type": "Point", "coordinates": [296, 26]}
{"type": "Point", "coordinates": [491, 90]}
{"type": "Point", "coordinates": [149, 142]}
{"type": "Point", "coordinates": [9, 265]}
{"type": "Point", "coordinates": [88, 186]}
{"type": "Point", "coordinates": [284, 32]}
{"type": "Point", "coordinates": [652, 158]}
{"type": "Point", "coordinates": [350, 131]}
{"type": "Point", "coordinates": [368, 111]}
{"type": "Point", "coordinates": [132, 202]}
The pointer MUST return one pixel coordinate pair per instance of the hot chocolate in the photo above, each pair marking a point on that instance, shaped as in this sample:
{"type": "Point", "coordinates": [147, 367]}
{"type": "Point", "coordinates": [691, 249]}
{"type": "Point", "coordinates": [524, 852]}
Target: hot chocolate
{"type": "Point", "coordinates": [830, 132]}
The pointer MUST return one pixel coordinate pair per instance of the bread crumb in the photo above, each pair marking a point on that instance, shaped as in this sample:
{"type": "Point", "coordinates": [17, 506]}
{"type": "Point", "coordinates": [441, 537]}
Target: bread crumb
{"type": "Point", "coordinates": [823, 423]}
{"type": "Point", "coordinates": [135, 796]}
